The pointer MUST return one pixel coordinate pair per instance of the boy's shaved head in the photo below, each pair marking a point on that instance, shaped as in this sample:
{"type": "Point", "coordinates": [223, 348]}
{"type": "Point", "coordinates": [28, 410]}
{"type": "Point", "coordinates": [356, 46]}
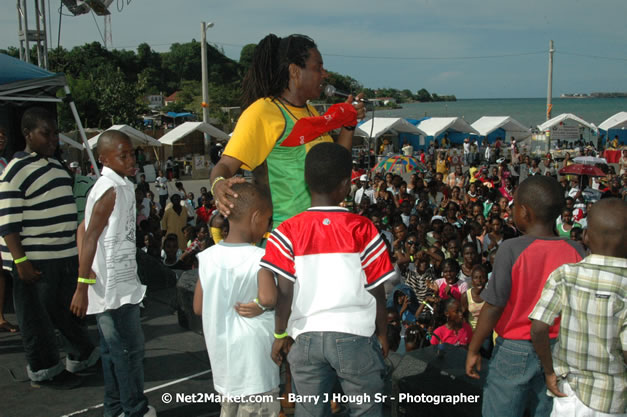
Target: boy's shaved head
{"type": "Point", "coordinates": [249, 198]}
{"type": "Point", "coordinates": [326, 166]}
{"type": "Point", "coordinates": [543, 195]}
{"type": "Point", "coordinates": [607, 227]}
{"type": "Point", "coordinates": [109, 138]}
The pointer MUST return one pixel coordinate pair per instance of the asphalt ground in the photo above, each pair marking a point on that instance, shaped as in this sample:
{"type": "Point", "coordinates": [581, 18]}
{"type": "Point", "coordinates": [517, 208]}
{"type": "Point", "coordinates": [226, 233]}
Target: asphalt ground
{"type": "Point", "coordinates": [176, 364]}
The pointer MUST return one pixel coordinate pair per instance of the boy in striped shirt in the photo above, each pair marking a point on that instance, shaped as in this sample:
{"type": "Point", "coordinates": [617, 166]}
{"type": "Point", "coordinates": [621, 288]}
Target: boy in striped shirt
{"type": "Point", "coordinates": [330, 265]}
{"type": "Point", "coordinates": [38, 244]}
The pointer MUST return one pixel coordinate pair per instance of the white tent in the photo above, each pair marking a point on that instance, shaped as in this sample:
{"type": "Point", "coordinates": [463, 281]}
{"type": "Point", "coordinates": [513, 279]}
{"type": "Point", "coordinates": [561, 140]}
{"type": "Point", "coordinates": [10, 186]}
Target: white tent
{"type": "Point", "coordinates": [137, 138]}
{"type": "Point", "coordinates": [618, 121]}
{"type": "Point", "coordinates": [564, 117]}
{"type": "Point", "coordinates": [383, 125]}
{"type": "Point", "coordinates": [488, 124]}
{"type": "Point", "coordinates": [434, 126]}
{"type": "Point", "coordinates": [186, 128]}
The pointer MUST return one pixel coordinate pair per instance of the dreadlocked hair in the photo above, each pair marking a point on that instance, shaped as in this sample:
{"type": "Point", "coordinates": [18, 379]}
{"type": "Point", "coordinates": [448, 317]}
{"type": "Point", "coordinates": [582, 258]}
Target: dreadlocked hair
{"type": "Point", "coordinates": [268, 74]}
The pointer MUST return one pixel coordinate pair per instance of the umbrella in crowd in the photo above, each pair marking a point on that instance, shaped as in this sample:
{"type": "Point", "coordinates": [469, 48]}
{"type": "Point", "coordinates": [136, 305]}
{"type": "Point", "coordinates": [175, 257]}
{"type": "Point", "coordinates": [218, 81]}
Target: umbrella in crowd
{"type": "Point", "coordinates": [400, 164]}
{"type": "Point", "coordinates": [582, 169]}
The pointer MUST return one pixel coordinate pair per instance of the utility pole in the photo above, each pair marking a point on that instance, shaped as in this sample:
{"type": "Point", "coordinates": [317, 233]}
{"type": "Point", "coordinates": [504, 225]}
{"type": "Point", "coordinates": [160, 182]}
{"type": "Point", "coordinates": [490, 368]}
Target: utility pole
{"type": "Point", "coordinates": [549, 90]}
{"type": "Point", "coordinates": [205, 87]}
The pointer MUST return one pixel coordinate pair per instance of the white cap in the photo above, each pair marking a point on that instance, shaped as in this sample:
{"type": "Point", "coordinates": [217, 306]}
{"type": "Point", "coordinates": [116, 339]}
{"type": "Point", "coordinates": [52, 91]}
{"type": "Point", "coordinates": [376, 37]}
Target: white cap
{"type": "Point", "coordinates": [363, 178]}
{"type": "Point", "coordinates": [74, 164]}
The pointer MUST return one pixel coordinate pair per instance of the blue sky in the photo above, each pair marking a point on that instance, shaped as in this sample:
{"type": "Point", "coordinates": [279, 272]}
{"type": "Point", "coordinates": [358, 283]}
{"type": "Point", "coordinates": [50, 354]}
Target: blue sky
{"type": "Point", "coordinates": [473, 49]}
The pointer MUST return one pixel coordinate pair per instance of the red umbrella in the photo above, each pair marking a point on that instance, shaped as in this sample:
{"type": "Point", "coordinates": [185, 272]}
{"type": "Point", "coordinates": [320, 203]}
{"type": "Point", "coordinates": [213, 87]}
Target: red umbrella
{"type": "Point", "coordinates": [582, 169]}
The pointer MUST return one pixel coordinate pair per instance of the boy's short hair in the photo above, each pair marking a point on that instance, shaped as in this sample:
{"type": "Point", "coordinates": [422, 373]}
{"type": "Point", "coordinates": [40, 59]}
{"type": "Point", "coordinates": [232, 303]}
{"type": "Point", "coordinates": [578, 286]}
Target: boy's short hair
{"type": "Point", "coordinates": [543, 195]}
{"type": "Point", "coordinates": [326, 166]}
{"type": "Point", "coordinates": [249, 196]}
{"type": "Point", "coordinates": [33, 115]}
{"type": "Point", "coordinates": [108, 137]}
{"type": "Point", "coordinates": [451, 263]}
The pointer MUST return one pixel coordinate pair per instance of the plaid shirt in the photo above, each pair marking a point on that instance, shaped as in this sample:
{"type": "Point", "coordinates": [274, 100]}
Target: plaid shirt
{"type": "Point", "coordinates": [590, 296]}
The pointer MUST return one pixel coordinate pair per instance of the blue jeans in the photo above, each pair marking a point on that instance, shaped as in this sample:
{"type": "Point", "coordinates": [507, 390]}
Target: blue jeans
{"type": "Point", "coordinates": [515, 382]}
{"type": "Point", "coordinates": [43, 306]}
{"type": "Point", "coordinates": [317, 359]}
{"type": "Point", "coordinates": [122, 350]}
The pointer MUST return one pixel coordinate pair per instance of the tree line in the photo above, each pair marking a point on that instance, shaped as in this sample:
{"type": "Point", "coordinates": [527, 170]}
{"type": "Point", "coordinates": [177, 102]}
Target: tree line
{"type": "Point", "coordinates": [109, 86]}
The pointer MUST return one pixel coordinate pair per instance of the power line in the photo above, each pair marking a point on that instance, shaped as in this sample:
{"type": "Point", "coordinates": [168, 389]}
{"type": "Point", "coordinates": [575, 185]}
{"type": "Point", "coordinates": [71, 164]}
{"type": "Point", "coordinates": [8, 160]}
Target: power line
{"type": "Point", "coordinates": [96, 22]}
{"type": "Point", "coordinates": [435, 58]}
{"type": "Point", "coordinates": [591, 56]}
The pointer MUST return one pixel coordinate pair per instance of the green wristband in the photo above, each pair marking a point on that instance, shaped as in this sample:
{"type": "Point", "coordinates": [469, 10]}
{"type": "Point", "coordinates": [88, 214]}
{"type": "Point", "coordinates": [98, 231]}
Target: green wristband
{"type": "Point", "coordinates": [86, 281]}
{"type": "Point", "coordinates": [281, 336]}
{"type": "Point", "coordinates": [20, 260]}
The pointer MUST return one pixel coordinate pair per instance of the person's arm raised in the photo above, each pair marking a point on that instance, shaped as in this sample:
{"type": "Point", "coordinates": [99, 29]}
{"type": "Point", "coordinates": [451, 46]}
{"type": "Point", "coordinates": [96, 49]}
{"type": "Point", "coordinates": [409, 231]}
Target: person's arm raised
{"type": "Point", "coordinates": [345, 137]}
{"type": "Point", "coordinates": [221, 180]}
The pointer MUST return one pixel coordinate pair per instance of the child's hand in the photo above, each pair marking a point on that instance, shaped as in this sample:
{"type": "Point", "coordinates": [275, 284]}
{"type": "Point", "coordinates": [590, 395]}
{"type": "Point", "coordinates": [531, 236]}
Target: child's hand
{"type": "Point", "coordinates": [80, 300]}
{"type": "Point", "coordinates": [280, 349]}
{"type": "Point", "coordinates": [551, 385]}
{"type": "Point", "coordinates": [27, 272]}
{"type": "Point", "coordinates": [248, 309]}
{"type": "Point", "coordinates": [473, 364]}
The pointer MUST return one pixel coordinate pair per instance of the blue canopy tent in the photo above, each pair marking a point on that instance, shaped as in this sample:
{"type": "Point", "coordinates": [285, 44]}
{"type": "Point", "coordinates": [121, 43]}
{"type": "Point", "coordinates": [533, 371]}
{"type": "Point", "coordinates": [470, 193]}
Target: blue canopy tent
{"type": "Point", "coordinates": [22, 83]}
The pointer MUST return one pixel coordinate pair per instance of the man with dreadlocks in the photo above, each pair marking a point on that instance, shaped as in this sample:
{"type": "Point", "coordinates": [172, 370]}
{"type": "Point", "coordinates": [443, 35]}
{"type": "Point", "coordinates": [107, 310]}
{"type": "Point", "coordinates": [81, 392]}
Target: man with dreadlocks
{"type": "Point", "coordinates": [278, 126]}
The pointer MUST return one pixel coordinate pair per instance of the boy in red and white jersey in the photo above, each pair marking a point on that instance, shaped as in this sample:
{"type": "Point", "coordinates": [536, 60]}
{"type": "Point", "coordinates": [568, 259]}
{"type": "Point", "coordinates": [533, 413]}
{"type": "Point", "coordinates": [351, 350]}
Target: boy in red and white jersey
{"type": "Point", "coordinates": [330, 265]}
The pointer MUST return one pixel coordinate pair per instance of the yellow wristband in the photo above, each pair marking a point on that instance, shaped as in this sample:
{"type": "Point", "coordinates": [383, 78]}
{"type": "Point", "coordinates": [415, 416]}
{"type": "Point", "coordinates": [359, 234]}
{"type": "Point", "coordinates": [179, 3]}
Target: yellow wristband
{"type": "Point", "coordinates": [280, 336]}
{"type": "Point", "coordinates": [256, 301]}
{"type": "Point", "coordinates": [20, 260]}
{"type": "Point", "coordinates": [87, 281]}
{"type": "Point", "coordinates": [215, 182]}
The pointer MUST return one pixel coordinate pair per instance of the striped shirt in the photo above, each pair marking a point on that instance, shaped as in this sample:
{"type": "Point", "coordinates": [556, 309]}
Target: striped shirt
{"type": "Point", "coordinates": [37, 203]}
{"type": "Point", "coordinates": [333, 257]}
{"type": "Point", "coordinates": [590, 297]}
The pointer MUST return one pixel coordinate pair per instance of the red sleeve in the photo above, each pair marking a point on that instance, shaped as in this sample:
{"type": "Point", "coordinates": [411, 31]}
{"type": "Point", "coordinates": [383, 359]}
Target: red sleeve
{"type": "Point", "coordinates": [375, 260]}
{"type": "Point", "coordinates": [279, 256]}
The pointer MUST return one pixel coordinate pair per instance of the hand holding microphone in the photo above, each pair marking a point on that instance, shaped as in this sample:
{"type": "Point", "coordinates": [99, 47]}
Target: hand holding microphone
{"type": "Point", "coordinates": [357, 101]}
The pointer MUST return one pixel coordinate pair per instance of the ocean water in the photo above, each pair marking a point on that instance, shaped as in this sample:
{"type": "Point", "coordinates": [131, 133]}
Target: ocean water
{"type": "Point", "coordinates": [528, 111]}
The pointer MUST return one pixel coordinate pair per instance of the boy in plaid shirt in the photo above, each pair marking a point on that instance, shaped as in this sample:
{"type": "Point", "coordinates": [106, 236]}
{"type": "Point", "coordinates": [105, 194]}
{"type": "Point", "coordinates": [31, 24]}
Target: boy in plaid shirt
{"type": "Point", "coordinates": [587, 372]}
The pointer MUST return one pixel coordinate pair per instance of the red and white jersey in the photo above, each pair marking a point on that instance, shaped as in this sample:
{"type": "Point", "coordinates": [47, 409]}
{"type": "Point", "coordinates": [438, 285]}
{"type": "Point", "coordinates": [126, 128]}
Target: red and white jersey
{"type": "Point", "coordinates": [333, 257]}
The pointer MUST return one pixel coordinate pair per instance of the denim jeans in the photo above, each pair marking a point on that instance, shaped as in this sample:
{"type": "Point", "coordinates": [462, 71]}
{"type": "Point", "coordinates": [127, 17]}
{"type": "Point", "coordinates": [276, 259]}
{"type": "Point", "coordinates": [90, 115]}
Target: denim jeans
{"type": "Point", "coordinates": [43, 306]}
{"type": "Point", "coordinates": [515, 382]}
{"type": "Point", "coordinates": [122, 350]}
{"type": "Point", "coordinates": [317, 359]}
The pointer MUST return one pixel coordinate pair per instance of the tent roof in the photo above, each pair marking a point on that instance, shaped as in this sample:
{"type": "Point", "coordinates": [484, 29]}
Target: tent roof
{"type": "Point", "coordinates": [488, 124]}
{"type": "Point", "coordinates": [618, 121]}
{"type": "Point", "coordinates": [137, 137]}
{"type": "Point", "coordinates": [436, 125]}
{"type": "Point", "coordinates": [21, 77]}
{"type": "Point", "coordinates": [186, 128]}
{"type": "Point", "coordinates": [563, 117]}
{"type": "Point", "coordinates": [385, 124]}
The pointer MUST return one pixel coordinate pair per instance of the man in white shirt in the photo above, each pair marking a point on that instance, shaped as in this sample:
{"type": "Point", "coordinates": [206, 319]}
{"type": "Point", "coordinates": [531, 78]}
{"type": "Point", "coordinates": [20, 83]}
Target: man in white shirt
{"type": "Point", "coordinates": [365, 190]}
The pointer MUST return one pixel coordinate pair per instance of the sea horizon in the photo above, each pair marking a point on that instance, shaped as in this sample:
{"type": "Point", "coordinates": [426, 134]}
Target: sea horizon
{"type": "Point", "coordinates": [528, 111]}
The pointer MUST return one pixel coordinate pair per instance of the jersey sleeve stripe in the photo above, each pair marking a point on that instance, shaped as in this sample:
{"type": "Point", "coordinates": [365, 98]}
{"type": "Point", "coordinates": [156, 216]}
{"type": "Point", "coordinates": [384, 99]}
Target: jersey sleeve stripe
{"type": "Point", "coordinates": [277, 270]}
{"type": "Point", "coordinates": [372, 245]}
{"type": "Point", "coordinates": [284, 241]}
{"type": "Point", "coordinates": [280, 248]}
{"type": "Point", "coordinates": [371, 259]}
{"type": "Point", "coordinates": [380, 280]}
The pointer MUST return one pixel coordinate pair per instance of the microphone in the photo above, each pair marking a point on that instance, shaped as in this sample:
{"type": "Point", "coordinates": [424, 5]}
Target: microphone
{"type": "Point", "coordinates": [331, 91]}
